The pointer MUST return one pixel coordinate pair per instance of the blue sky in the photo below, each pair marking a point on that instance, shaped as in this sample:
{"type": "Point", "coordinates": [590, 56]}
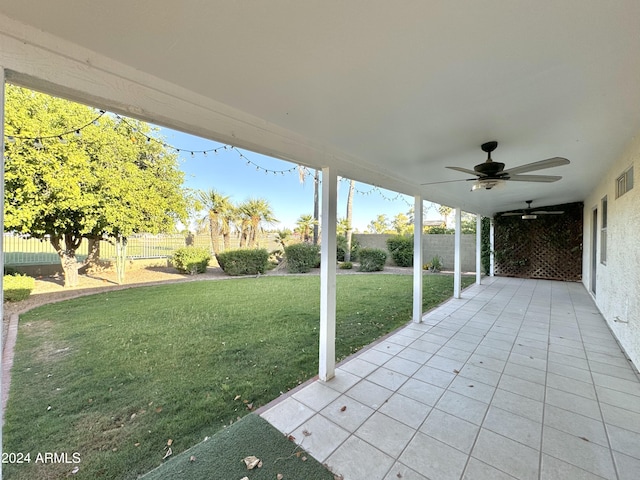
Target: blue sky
{"type": "Point", "coordinates": [242, 177]}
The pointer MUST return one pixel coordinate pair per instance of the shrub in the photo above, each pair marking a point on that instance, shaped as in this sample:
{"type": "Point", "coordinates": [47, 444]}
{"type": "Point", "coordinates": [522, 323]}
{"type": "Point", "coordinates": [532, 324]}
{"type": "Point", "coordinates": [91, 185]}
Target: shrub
{"type": "Point", "coordinates": [17, 287]}
{"type": "Point", "coordinates": [346, 266]}
{"type": "Point", "coordinates": [244, 261]}
{"type": "Point", "coordinates": [301, 257]}
{"type": "Point", "coordinates": [342, 248]}
{"type": "Point", "coordinates": [401, 249]}
{"type": "Point", "coordinates": [372, 259]}
{"type": "Point", "coordinates": [191, 260]}
{"type": "Point", "coordinates": [436, 264]}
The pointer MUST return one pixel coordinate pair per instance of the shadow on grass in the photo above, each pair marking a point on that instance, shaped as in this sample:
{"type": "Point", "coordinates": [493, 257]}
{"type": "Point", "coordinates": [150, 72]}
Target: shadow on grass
{"type": "Point", "coordinates": [221, 456]}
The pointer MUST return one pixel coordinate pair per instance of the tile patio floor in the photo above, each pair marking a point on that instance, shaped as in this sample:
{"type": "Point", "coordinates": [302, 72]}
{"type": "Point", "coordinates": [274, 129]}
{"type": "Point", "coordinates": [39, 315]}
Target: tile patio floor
{"type": "Point", "coordinates": [518, 379]}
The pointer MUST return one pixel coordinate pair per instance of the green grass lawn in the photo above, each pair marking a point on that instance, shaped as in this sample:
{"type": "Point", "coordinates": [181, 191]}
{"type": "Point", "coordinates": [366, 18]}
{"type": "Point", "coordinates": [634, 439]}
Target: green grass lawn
{"type": "Point", "coordinates": [116, 376]}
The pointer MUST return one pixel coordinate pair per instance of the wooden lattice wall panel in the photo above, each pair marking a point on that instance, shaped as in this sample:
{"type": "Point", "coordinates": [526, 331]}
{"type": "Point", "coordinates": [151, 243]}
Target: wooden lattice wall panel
{"type": "Point", "coordinates": [549, 247]}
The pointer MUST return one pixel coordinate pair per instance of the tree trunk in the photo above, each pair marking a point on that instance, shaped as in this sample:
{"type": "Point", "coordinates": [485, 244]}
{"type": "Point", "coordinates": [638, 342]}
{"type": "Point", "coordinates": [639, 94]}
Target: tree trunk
{"type": "Point", "coordinates": [352, 187]}
{"type": "Point", "coordinates": [316, 206]}
{"type": "Point", "coordinates": [93, 256]}
{"type": "Point", "coordinates": [68, 259]}
{"type": "Point", "coordinates": [214, 230]}
{"type": "Point", "coordinates": [121, 258]}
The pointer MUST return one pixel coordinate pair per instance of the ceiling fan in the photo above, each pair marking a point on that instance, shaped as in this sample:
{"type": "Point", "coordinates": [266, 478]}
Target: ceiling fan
{"type": "Point", "coordinates": [531, 214]}
{"type": "Point", "coordinates": [490, 174]}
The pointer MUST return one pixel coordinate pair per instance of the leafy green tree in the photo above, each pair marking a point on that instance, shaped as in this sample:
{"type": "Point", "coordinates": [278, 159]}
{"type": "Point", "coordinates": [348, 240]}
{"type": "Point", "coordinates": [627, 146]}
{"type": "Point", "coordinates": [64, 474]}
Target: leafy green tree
{"type": "Point", "coordinates": [401, 224]}
{"type": "Point", "coordinates": [107, 181]}
{"type": "Point", "coordinates": [379, 225]}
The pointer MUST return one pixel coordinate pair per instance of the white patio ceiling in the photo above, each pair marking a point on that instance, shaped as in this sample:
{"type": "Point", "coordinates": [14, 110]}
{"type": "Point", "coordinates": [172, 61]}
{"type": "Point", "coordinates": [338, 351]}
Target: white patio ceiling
{"type": "Point", "coordinates": [388, 93]}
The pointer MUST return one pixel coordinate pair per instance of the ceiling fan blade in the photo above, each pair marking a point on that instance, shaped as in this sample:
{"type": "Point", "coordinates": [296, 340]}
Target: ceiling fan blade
{"type": "Point", "coordinates": [449, 181]}
{"type": "Point", "coordinates": [544, 212]}
{"type": "Point", "coordinates": [535, 178]}
{"type": "Point", "coordinates": [530, 167]}
{"type": "Point", "coordinates": [466, 170]}
{"type": "Point", "coordinates": [512, 214]}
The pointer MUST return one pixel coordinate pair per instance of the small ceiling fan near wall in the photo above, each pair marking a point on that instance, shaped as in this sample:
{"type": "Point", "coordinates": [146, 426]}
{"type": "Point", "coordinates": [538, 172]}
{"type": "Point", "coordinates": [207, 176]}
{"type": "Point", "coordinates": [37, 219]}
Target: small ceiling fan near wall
{"type": "Point", "coordinates": [530, 213]}
{"type": "Point", "coordinates": [490, 174]}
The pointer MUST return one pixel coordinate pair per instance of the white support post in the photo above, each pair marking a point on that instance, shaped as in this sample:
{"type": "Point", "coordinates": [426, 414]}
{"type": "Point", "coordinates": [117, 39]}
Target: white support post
{"type": "Point", "coordinates": [457, 269]}
{"type": "Point", "coordinates": [417, 259]}
{"type": "Point", "coordinates": [2, 365]}
{"type": "Point", "coordinates": [328, 220]}
{"type": "Point", "coordinates": [491, 246]}
{"type": "Point", "coordinates": [478, 248]}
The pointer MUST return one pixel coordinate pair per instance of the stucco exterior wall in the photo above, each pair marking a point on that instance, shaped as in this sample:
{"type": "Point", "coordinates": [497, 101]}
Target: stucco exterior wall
{"type": "Point", "coordinates": [617, 292]}
{"type": "Point", "coordinates": [432, 245]}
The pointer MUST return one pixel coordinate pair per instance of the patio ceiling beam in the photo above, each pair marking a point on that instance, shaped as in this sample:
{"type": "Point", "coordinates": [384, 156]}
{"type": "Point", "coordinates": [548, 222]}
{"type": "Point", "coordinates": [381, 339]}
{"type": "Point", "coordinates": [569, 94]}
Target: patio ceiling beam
{"type": "Point", "coordinates": [417, 259]}
{"type": "Point", "coordinates": [328, 260]}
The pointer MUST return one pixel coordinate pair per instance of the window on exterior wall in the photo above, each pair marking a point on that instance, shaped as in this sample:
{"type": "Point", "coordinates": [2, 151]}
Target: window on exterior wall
{"type": "Point", "coordinates": [603, 232]}
{"type": "Point", "coordinates": [624, 183]}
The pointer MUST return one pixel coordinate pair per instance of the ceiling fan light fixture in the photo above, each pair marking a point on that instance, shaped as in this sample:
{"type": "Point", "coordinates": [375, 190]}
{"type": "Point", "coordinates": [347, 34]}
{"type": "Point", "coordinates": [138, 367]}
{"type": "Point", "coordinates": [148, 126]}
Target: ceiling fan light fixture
{"type": "Point", "coordinates": [487, 184]}
{"type": "Point", "coordinates": [529, 216]}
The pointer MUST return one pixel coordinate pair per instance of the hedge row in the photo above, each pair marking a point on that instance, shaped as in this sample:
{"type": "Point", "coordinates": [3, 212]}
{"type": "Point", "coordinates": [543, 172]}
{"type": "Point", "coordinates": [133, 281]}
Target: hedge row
{"type": "Point", "coordinates": [17, 287]}
{"type": "Point", "coordinates": [244, 261]}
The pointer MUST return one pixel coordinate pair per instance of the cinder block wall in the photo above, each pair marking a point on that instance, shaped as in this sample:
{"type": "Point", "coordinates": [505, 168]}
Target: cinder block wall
{"type": "Point", "coordinates": [432, 245]}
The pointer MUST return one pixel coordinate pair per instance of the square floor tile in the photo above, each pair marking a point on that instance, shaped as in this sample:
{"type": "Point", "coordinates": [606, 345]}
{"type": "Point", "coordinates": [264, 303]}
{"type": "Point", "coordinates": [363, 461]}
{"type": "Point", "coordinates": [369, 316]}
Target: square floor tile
{"type": "Point", "coordinates": [353, 460]}
{"type": "Point", "coordinates": [621, 417]}
{"type": "Point", "coordinates": [425, 347]}
{"type": "Point", "coordinates": [515, 427]}
{"type": "Point", "coordinates": [578, 452]}
{"type": "Point", "coordinates": [628, 467]}
{"type": "Point", "coordinates": [347, 412]}
{"type": "Point", "coordinates": [625, 441]}
{"type": "Point", "coordinates": [506, 455]}
{"type": "Point", "coordinates": [434, 376]}
{"type": "Point", "coordinates": [406, 410]}
{"type": "Point", "coordinates": [319, 436]}
{"type": "Point", "coordinates": [453, 353]}
{"type": "Point", "coordinates": [405, 473]}
{"type": "Point", "coordinates": [570, 371]}
{"type": "Point", "coordinates": [477, 470]}
{"type": "Point", "coordinates": [481, 374]}
{"type": "Point", "coordinates": [388, 347]}
{"type": "Point", "coordinates": [342, 381]}
{"type": "Point", "coordinates": [414, 355]}
{"type": "Point", "coordinates": [573, 403]}
{"type": "Point", "coordinates": [434, 459]}
{"type": "Point", "coordinates": [402, 365]}
{"type": "Point", "coordinates": [487, 362]}
{"type": "Point", "coordinates": [626, 386]}
{"type": "Point", "coordinates": [421, 391]}
{"type": "Point", "coordinates": [555, 469]}
{"type": "Point", "coordinates": [287, 415]}
{"type": "Point", "coordinates": [522, 387]}
{"type": "Point", "coordinates": [463, 407]}
{"type": "Point", "coordinates": [575, 424]}
{"type": "Point", "coordinates": [387, 378]}
{"type": "Point", "coordinates": [572, 386]}
{"type": "Point", "coordinates": [385, 433]}
{"type": "Point", "coordinates": [316, 395]}
{"type": "Point", "coordinates": [514, 403]}
{"type": "Point", "coordinates": [619, 399]}
{"type": "Point", "coordinates": [445, 364]}
{"type": "Point", "coordinates": [369, 394]}
{"type": "Point", "coordinates": [526, 373]}
{"type": "Point", "coordinates": [358, 367]}
{"type": "Point", "coordinates": [450, 429]}
{"type": "Point", "coordinates": [471, 388]}
{"type": "Point", "coordinates": [375, 356]}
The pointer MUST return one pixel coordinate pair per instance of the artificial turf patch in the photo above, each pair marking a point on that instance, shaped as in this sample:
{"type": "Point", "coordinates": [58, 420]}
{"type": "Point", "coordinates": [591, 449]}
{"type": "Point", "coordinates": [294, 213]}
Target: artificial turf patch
{"type": "Point", "coordinates": [221, 456]}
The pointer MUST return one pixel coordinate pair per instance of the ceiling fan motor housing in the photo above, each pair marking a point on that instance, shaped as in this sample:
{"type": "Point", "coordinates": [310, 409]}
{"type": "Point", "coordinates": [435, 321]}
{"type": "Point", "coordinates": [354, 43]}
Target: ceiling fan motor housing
{"type": "Point", "coordinates": [489, 167]}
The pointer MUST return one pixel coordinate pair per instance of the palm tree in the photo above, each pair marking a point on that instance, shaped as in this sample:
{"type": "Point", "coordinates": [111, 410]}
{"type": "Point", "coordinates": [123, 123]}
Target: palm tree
{"type": "Point", "coordinates": [283, 236]}
{"type": "Point", "coordinates": [305, 226]}
{"type": "Point", "coordinates": [216, 206]}
{"type": "Point", "coordinates": [254, 213]}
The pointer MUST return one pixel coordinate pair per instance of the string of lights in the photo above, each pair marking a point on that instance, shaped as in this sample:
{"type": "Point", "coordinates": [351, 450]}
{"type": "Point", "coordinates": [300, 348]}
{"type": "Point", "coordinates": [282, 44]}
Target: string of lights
{"type": "Point", "coordinates": [37, 140]}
